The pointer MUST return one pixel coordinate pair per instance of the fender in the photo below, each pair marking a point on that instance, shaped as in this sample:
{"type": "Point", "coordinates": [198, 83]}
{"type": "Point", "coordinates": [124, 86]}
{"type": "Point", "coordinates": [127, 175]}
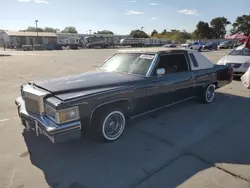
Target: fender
{"type": "Point", "coordinates": [106, 103]}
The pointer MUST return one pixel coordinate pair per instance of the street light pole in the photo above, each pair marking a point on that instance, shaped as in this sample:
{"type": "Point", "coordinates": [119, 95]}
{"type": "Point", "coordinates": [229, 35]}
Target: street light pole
{"type": "Point", "coordinates": [36, 29]}
{"type": "Point", "coordinates": [90, 31]}
{"type": "Point", "coordinates": [141, 33]}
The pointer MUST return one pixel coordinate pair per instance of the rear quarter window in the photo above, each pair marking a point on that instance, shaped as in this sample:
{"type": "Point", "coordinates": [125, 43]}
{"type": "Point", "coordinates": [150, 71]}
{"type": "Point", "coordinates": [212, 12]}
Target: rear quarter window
{"type": "Point", "coordinates": [194, 61]}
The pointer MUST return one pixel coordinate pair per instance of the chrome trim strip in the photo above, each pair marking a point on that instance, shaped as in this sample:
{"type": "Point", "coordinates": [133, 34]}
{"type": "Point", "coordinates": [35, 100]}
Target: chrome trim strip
{"type": "Point", "coordinates": [152, 66]}
{"type": "Point", "coordinates": [163, 107]}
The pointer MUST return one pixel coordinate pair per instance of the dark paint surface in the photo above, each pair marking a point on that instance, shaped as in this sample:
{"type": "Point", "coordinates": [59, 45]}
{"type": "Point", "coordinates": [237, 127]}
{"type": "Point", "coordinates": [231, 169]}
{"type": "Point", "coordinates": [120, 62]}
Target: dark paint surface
{"type": "Point", "coordinates": [86, 83]}
{"type": "Point", "coordinates": [139, 94]}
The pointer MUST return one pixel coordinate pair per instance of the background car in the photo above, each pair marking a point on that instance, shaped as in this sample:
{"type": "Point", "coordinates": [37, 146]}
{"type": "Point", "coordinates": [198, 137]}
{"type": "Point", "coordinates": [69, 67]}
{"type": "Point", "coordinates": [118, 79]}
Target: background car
{"type": "Point", "coordinates": [170, 46]}
{"type": "Point", "coordinates": [239, 59]}
{"type": "Point", "coordinates": [226, 45]}
{"type": "Point", "coordinates": [196, 46]}
{"type": "Point", "coordinates": [210, 46]}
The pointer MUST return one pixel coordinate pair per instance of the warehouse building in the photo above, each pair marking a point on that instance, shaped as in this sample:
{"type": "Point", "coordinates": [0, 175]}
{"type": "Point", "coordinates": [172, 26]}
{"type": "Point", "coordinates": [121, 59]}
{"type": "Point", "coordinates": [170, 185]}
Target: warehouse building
{"type": "Point", "coordinates": [19, 39]}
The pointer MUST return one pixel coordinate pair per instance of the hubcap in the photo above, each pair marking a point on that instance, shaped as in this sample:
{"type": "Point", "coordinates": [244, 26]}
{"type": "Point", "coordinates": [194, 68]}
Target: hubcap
{"type": "Point", "coordinates": [210, 93]}
{"type": "Point", "coordinates": [113, 125]}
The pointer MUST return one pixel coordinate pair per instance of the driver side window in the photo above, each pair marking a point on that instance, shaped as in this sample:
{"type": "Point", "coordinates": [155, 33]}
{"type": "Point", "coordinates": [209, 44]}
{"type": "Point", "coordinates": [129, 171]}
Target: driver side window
{"type": "Point", "coordinates": [172, 63]}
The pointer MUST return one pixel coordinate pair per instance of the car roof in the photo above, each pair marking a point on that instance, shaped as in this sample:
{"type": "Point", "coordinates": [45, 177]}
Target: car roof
{"type": "Point", "coordinates": [157, 50]}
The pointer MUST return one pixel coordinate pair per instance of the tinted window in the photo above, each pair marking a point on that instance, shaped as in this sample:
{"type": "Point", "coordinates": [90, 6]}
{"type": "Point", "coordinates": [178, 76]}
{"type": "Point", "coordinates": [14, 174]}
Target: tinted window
{"type": "Point", "coordinates": [129, 63]}
{"type": "Point", "coordinates": [194, 60]}
{"type": "Point", "coordinates": [173, 63]}
{"type": "Point", "coordinates": [239, 51]}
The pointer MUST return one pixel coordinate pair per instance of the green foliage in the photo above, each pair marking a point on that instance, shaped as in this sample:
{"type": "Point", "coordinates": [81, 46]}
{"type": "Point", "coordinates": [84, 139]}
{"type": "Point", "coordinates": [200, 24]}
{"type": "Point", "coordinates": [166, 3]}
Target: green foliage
{"type": "Point", "coordinates": [203, 31]}
{"type": "Point", "coordinates": [32, 29]}
{"type": "Point", "coordinates": [154, 32]}
{"type": "Point", "coordinates": [69, 29]}
{"type": "Point", "coordinates": [218, 26]}
{"type": "Point", "coordinates": [241, 25]}
{"type": "Point", "coordinates": [138, 34]}
{"type": "Point", "coordinates": [105, 32]}
{"type": "Point", "coordinates": [50, 29]}
{"type": "Point", "coordinates": [174, 34]}
{"type": "Point", "coordinates": [46, 29]}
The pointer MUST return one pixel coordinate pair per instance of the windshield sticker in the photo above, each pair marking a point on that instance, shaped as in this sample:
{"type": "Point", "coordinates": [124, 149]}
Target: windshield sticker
{"type": "Point", "coordinates": [143, 56]}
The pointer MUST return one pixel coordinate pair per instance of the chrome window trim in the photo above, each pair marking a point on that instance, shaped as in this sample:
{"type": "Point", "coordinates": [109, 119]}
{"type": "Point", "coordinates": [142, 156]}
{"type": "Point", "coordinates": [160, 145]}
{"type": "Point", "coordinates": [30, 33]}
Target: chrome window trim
{"type": "Point", "coordinates": [152, 66]}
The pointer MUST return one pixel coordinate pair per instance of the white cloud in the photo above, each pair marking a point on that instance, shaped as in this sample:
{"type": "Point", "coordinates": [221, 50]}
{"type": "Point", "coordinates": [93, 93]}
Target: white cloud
{"type": "Point", "coordinates": [41, 1]}
{"type": "Point", "coordinates": [152, 18]}
{"type": "Point", "coordinates": [188, 11]}
{"type": "Point", "coordinates": [24, 0]}
{"type": "Point", "coordinates": [132, 12]}
{"type": "Point", "coordinates": [131, 1]}
{"type": "Point", "coordinates": [152, 4]}
{"type": "Point", "coordinates": [35, 1]}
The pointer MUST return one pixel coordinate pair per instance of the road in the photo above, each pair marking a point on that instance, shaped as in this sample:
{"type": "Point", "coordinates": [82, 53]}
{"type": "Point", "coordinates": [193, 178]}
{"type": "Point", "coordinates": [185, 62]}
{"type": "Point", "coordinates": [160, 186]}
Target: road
{"type": "Point", "coordinates": [187, 145]}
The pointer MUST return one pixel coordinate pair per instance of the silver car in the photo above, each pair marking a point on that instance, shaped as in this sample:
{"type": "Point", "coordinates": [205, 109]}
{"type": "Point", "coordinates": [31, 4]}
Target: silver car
{"type": "Point", "coordinates": [239, 59]}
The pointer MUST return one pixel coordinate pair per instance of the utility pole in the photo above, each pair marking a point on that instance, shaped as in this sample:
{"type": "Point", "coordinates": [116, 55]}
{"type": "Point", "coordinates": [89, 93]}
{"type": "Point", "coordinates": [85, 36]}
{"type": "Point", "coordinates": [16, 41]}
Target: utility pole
{"type": "Point", "coordinates": [36, 29]}
{"type": "Point", "coordinates": [141, 33]}
{"type": "Point", "coordinates": [90, 31]}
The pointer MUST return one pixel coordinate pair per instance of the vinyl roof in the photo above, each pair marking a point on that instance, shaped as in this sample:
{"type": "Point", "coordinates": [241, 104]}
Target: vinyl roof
{"type": "Point", "coordinates": [30, 34]}
{"type": "Point", "coordinates": [152, 50]}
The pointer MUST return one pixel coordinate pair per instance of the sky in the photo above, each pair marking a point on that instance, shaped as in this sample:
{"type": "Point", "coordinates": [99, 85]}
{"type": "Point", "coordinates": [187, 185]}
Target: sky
{"type": "Point", "coordinates": [119, 16]}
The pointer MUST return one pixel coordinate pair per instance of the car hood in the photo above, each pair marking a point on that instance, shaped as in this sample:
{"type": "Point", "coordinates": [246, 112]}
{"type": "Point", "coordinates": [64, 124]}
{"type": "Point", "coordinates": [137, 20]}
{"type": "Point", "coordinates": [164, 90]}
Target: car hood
{"type": "Point", "coordinates": [87, 83]}
{"type": "Point", "coordinates": [234, 59]}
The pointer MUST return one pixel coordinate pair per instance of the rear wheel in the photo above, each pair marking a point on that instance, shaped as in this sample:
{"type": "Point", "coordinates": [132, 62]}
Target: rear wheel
{"type": "Point", "coordinates": [109, 124]}
{"type": "Point", "coordinates": [208, 94]}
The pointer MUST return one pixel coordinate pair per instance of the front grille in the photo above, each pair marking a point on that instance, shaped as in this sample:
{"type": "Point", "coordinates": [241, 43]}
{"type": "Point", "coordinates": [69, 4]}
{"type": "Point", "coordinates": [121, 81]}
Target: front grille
{"type": "Point", "coordinates": [32, 105]}
{"type": "Point", "coordinates": [234, 65]}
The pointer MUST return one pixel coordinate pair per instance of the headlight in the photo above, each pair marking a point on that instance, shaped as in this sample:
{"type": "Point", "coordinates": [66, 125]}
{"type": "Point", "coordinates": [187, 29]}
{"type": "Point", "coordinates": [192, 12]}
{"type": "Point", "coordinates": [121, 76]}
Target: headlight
{"type": "Point", "coordinates": [62, 116]}
{"type": "Point", "coordinates": [246, 64]}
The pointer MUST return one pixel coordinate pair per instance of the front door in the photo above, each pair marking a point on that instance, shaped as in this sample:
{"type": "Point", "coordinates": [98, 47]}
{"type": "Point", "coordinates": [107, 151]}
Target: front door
{"type": "Point", "coordinates": [175, 85]}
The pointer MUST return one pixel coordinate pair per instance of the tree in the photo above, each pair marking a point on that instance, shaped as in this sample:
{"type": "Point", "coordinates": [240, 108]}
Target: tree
{"type": "Point", "coordinates": [105, 32]}
{"type": "Point", "coordinates": [218, 26]}
{"type": "Point", "coordinates": [164, 32]}
{"type": "Point", "coordinates": [138, 34]}
{"type": "Point", "coordinates": [69, 29]}
{"type": "Point", "coordinates": [154, 32]}
{"type": "Point", "coordinates": [241, 25]}
{"type": "Point", "coordinates": [203, 31]}
{"type": "Point", "coordinates": [32, 29]}
{"type": "Point", "coordinates": [50, 29]}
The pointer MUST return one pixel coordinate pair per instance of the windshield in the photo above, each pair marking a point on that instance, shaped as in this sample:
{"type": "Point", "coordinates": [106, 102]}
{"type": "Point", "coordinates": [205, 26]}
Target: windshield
{"type": "Point", "coordinates": [240, 51]}
{"type": "Point", "coordinates": [129, 63]}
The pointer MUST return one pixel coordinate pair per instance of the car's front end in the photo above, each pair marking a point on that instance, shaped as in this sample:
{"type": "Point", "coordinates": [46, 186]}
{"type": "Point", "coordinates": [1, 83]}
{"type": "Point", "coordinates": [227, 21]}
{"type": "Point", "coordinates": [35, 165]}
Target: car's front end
{"type": "Point", "coordinates": [37, 114]}
{"type": "Point", "coordinates": [238, 59]}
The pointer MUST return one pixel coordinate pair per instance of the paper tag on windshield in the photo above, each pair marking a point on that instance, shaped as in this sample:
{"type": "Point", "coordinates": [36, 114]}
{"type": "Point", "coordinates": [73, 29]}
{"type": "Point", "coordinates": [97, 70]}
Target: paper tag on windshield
{"type": "Point", "coordinates": [143, 56]}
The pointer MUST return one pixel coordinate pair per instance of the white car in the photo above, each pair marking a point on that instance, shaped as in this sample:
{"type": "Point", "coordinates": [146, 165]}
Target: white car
{"type": "Point", "coordinates": [196, 46]}
{"type": "Point", "coordinates": [239, 59]}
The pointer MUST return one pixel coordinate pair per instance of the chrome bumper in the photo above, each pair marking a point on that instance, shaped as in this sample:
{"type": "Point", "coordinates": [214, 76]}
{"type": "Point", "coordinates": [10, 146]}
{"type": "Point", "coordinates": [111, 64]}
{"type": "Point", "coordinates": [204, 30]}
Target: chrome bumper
{"type": "Point", "coordinates": [44, 126]}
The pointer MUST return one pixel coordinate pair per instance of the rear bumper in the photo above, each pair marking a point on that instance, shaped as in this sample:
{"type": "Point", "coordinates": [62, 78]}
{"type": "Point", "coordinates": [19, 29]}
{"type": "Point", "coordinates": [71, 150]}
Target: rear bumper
{"type": "Point", "coordinates": [44, 126]}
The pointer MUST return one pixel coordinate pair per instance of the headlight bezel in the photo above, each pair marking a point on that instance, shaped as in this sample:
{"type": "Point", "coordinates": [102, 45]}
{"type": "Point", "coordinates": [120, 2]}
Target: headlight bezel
{"type": "Point", "coordinates": [55, 116]}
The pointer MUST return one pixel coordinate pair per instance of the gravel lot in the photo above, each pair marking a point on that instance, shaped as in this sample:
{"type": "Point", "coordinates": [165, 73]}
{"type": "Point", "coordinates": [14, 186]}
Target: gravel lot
{"type": "Point", "coordinates": [187, 145]}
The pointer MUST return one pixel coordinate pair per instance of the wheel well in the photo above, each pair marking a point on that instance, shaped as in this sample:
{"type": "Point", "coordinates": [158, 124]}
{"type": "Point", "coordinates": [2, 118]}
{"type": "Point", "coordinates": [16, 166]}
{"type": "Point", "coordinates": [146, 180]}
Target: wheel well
{"type": "Point", "coordinates": [122, 104]}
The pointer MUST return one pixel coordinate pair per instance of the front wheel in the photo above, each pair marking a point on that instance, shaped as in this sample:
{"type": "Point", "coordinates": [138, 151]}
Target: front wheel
{"type": "Point", "coordinates": [209, 93]}
{"type": "Point", "coordinates": [109, 125]}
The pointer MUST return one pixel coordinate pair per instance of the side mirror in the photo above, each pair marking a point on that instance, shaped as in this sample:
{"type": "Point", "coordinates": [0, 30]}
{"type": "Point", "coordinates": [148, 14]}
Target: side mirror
{"type": "Point", "coordinates": [160, 71]}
